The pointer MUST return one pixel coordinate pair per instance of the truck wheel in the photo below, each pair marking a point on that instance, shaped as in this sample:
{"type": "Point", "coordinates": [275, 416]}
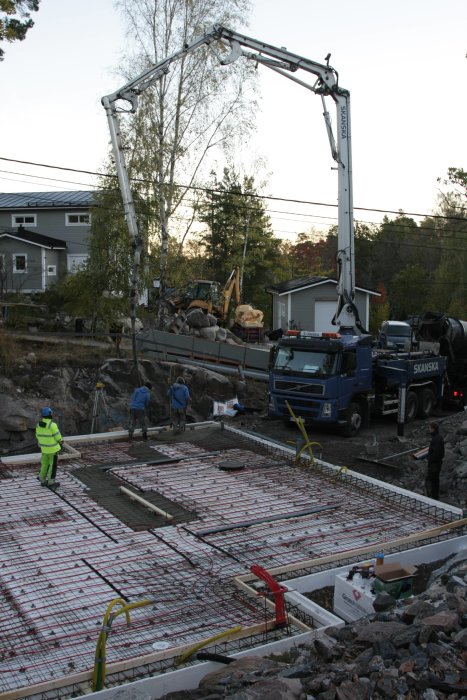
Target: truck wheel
{"type": "Point", "coordinates": [354, 419]}
{"type": "Point", "coordinates": [411, 406]}
{"type": "Point", "coordinates": [426, 403]}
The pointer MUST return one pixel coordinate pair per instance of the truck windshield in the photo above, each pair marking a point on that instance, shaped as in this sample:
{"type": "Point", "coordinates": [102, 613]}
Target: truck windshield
{"type": "Point", "coordinates": [402, 331]}
{"type": "Point", "coordinates": [305, 361]}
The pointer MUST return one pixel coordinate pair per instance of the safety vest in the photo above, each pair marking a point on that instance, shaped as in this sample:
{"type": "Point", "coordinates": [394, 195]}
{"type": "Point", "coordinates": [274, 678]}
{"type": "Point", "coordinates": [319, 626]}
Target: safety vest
{"type": "Point", "coordinates": [48, 436]}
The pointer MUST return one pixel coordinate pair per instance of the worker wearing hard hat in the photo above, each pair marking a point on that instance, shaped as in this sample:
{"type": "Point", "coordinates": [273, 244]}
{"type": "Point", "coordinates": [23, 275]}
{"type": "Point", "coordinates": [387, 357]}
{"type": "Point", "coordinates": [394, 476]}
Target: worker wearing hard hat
{"type": "Point", "coordinates": [50, 442]}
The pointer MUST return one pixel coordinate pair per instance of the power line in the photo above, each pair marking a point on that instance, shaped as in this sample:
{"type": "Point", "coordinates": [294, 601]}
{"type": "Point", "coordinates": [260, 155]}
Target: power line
{"type": "Point", "coordinates": [212, 190]}
{"type": "Point", "coordinates": [410, 230]}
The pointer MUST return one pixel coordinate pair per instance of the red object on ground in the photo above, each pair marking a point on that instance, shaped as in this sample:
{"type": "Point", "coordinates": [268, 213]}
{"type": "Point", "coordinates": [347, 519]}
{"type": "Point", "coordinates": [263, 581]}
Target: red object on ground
{"type": "Point", "coordinates": [276, 589]}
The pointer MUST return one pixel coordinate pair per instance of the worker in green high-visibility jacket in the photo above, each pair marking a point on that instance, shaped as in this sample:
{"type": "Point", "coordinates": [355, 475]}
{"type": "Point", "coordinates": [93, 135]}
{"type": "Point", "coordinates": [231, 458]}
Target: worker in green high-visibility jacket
{"type": "Point", "coordinates": [50, 442]}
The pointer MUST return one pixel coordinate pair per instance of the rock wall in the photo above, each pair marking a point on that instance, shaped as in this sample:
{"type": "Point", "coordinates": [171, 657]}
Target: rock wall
{"type": "Point", "coordinates": [70, 392]}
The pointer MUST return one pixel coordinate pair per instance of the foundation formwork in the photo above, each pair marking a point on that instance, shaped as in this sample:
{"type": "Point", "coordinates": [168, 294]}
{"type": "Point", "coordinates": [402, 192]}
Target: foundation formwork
{"type": "Point", "coordinates": [64, 557]}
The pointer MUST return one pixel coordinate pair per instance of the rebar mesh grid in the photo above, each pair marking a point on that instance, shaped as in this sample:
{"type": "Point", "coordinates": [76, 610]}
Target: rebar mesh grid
{"type": "Point", "coordinates": [269, 489]}
{"type": "Point", "coordinates": [64, 557]}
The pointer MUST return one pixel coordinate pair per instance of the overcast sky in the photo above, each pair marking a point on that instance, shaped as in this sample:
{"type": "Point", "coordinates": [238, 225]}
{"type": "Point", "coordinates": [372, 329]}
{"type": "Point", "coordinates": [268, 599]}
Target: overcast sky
{"type": "Point", "coordinates": [404, 63]}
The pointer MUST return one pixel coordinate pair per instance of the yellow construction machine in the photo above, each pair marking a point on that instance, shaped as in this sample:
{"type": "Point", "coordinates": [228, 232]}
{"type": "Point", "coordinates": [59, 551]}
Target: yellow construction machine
{"type": "Point", "coordinates": [208, 295]}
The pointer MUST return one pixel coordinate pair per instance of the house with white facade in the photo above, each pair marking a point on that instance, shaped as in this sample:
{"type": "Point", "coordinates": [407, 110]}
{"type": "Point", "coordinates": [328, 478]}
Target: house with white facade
{"type": "Point", "coordinates": [43, 236]}
{"type": "Point", "coordinates": [309, 303]}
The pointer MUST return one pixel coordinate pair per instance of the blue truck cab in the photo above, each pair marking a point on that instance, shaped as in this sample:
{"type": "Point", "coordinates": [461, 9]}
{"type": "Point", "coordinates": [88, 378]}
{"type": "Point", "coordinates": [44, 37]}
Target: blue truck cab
{"type": "Point", "coordinates": [342, 378]}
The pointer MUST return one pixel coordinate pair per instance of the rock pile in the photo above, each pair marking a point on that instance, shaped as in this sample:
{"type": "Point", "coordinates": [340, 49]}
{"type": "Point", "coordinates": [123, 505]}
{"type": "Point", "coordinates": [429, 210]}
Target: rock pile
{"type": "Point", "coordinates": [416, 650]}
{"type": "Point", "coordinates": [202, 325]}
{"type": "Point", "coordinates": [453, 477]}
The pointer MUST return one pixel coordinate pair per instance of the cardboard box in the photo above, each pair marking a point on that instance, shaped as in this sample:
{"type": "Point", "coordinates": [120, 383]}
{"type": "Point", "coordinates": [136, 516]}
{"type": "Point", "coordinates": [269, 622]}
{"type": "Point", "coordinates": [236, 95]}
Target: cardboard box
{"type": "Point", "coordinates": [395, 579]}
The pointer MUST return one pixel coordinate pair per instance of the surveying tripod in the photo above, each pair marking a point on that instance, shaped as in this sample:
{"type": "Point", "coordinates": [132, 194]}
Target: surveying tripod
{"type": "Point", "coordinates": [99, 405]}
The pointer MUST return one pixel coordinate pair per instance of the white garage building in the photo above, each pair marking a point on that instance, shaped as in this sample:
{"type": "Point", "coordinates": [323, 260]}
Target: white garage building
{"type": "Point", "coordinates": [309, 303]}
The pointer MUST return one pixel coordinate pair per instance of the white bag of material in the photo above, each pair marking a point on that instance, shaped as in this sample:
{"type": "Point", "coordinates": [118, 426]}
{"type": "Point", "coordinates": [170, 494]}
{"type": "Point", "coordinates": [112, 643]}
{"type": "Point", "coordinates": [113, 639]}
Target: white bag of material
{"type": "Point", "coordinates": [224, 409]}
{"type": "Point", "coordinates": [221, 334]}
{"type": "Point", "coordinates": [208, 333]}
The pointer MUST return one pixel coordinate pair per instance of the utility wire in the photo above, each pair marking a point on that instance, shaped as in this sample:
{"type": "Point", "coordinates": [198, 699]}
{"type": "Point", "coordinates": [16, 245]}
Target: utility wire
{"type": "Point", "coordinates": [409, 230]}
{"type": "Point", "coordinates": [213, 190]}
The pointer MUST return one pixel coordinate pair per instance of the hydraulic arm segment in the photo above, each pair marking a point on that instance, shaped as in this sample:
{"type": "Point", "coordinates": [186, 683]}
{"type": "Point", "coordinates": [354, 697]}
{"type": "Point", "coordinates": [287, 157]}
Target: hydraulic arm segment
{"type": "Point", "coordinates": [287, 64]}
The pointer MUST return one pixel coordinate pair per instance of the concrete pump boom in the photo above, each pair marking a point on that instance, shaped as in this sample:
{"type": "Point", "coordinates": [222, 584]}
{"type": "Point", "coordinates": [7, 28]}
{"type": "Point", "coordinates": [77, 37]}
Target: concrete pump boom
{"type": "Point", "coordinates": [288, 64]}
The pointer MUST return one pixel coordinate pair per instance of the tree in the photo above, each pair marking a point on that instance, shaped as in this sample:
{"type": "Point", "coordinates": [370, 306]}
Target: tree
{"type": "Point", "coordinates": [239, 233]}
{"type": "Point", "coordinates": [189, 112]}
{"type": "Point", "coordinates": [379, 310]}
{"type": "Point", "coordinates": [409, 291]}
{"type": "Point", "coordinates": [100, 290]}
{"type": "Point", "coordinates": [447, 293]}
{"type": "Point", "coordinates": [15, 28]}
{"type": "Point", "coordinates": [310, 256]}
{"type": "Point", "coordinates": [457, 177]}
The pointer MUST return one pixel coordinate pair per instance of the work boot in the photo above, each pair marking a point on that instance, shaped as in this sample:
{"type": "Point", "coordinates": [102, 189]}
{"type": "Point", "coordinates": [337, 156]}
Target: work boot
{"type": "Point", "coordinates": [43, 483]}
{"type": "Point", "coordinates": [54, 485]}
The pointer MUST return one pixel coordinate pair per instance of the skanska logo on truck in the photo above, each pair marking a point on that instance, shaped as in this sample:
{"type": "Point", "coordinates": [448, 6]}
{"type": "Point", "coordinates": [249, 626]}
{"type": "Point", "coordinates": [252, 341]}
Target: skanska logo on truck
{"type": "Point", "coordinates": [426, 367]}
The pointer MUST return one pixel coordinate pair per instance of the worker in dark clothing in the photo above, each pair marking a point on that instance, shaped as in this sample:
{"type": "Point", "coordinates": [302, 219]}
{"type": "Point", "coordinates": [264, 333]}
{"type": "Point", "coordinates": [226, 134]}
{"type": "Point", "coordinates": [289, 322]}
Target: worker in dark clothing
{"type": "Point", "coordinates": [50, 442]}
{"type": "Point", "coordinates": [139, 402]}
{"type": "Point", "coordinates": [435, 459]}
{"type": "Point", "coordinates": [179, 396]}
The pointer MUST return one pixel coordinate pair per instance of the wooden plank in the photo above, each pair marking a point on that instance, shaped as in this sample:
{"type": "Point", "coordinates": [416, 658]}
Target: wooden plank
{"type": "Point", "coordinates": [145, 503]}
{"type": "Point", "coordinates": [310, 563]}
{"type": "Point", "coordinates": [127, 665]}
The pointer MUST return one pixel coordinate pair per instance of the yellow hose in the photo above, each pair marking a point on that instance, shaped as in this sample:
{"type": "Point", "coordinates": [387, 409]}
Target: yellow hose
{"type": "Point", "coordinates": [100, 668]}
{"type": "Point", "coordinates": [301, 426]}
{"type": "Point", "coordinates": [186, 655]}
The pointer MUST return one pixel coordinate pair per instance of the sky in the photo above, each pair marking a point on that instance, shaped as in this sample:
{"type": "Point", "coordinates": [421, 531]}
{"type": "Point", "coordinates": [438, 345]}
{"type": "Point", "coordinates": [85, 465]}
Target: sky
{"type": "Point", "coordinates": [404, 63]}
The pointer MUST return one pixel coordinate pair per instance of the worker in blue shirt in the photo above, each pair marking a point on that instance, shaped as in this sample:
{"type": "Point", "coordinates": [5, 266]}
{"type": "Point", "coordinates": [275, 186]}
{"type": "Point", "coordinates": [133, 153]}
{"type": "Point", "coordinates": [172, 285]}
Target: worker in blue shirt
{"type": "Point", "coordinates": [179, 396]}
{"type": "Point", "coordinates": [139, 402]}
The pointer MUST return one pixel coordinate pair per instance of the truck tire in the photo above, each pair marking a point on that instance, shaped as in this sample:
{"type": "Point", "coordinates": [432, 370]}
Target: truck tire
{"type": "Point", "coordinates": [426, 403]}
{"type": "Point", "coordinates": [411, 406]}
{"type": "Point", "coordinates": [354, 420]}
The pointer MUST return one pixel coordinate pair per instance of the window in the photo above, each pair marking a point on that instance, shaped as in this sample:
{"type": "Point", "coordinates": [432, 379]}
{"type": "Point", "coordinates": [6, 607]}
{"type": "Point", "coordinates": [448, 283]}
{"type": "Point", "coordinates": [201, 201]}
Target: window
{"type": "Point", "coordinates": [51, 270]}
{"type": "Point", "coordinates": [76, 262]}
{"type": "Point", "coordinates": [20, 263]}
{"type": "Point", "coordinates": [76, 219]}
{"type": "Point", "coordinates": [349, 362]}
{"type": "Point", "coordinates": [300, 360]}
{"type": "Point", "coordinates": [24, 220]}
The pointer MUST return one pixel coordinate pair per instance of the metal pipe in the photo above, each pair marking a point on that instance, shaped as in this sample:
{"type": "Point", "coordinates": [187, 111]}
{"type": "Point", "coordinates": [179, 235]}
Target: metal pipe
{"type": "Point", "coordinates": [259, 521]}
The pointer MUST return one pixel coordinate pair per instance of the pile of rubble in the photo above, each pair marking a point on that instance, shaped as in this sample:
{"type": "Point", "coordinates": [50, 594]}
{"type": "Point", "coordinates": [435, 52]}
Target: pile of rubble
{"type": "Point", "coordinates": [202, 325]}
{"type": "Point", "coordinates": [418, 649]}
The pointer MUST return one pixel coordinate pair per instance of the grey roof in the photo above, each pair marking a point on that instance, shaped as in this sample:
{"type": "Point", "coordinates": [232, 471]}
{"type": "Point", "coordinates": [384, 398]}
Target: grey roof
{"type": "Point", "coordinates": [22, 234]}
{"type": "Point", "coordinates": [46, 200]}
{"type": "Point", "coordinates": [309, 281]}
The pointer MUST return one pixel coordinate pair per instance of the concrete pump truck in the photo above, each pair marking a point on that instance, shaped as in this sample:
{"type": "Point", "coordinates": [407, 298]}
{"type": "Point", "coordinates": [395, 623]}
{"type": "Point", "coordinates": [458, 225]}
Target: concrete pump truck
{"type": "Point", "coordinates": [335, 377]}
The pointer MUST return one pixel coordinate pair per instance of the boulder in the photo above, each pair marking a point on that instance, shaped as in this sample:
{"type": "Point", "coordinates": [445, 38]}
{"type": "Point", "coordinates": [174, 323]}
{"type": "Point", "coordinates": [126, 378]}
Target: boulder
{"type": "Point", "coordinates": [14, 417]}
{"type": "Point", "coordinates": [196, 318]}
